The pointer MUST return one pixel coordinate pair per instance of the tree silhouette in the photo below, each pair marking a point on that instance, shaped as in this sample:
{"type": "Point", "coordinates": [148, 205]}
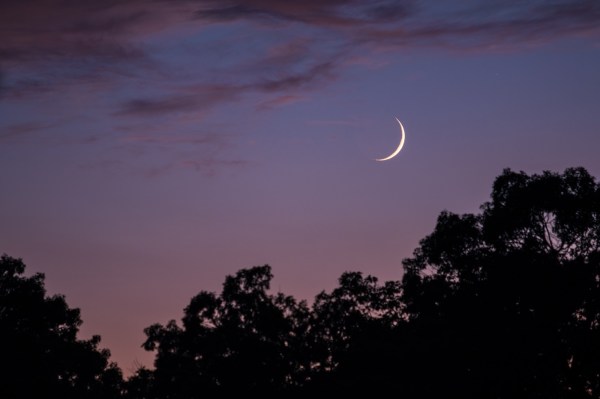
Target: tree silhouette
{"type": "Point", "coordinates": [243, 340]}
{"type": "Point", "coordinates": [40, 355]}
{"type": "Point", "coordinates": [141, 385]}
{"type": "Point", "coordinates": [508, 299]}
{"type": "Point", "coordinates": [246, 340]}
{"type": "Point", "coordinates": [500, 304]}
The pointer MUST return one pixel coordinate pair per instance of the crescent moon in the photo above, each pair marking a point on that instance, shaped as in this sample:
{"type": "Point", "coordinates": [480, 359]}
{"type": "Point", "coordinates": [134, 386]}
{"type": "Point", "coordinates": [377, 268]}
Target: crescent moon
{"type": "Point", "coordinates": [393, 154]}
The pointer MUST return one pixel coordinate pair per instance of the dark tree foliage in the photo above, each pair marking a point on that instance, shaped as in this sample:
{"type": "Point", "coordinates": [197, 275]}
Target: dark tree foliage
{"type": "Point", "coordinates": [248, 341]}
{"type": "Point", "coordinates": [40, 355]}
{"type": "Point", "coordinates": [500, 304]}
{"type": "Point", "coordinates": [141, 385]}
{"type": "Point", "coordinates": [505, 304]}
{"type": "Point", "coordinates": [241, 341]}
{"type": "Point", "coordinates": [353, 336]}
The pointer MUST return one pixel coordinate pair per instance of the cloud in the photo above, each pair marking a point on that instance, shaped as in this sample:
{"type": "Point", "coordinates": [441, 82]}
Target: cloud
{"type": "Point", "coordinates": [508, 25]}
{"type": "Point", "coordinates": [453, 26]}
{"type": "Point", "coordinates": [280, 101]}
{"type": "Point", "coordinates": [411, 19]}
{"type": "Point", "coordinates": [332, 13]}
{"type": "Point", "coordinates": [315, 73]}
{"type": "Point", "coordinates": [172, 139]}
{"type": "Point", "coordinates": [45, 33]}
{"type": "Point", "coordinates": [18, 131]}
{"type": "Point", "coordinates": [199, 98]}
{"type": "Point", "coordinates": [285, 54]}
{"type": "Point", "coordinates": [148, 107]}
{"type": "Point", "coordinates": [159, 153]}
{"type": "Point", "coordinates": [49, 44]}
{"type": "Point", "coordinates": [45, 44]}
{"type": "Point", "coordinates": [345, 122]}
{"type": "Point", "coordinates": [155, 63]}
{"type": "Point", "coordinates": [109, 30]}
{"type": "Point", "coordinates": [209, 166]}
{"type": "Point", "coordinates": [389, 23]}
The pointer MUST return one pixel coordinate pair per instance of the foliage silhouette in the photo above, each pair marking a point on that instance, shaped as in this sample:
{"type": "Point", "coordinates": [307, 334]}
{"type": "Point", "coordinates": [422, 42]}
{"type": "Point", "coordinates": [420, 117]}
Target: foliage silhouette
{"type": "Point", "coordinates": [513, 292]}
{"type": "Point", "coordinates": [244, 340]}
{"type": "Point", "coordinates": [500, 304]}
{"type": "Point", "coordinates": [353, 332]}
{"type": "Point", "coordinates": [40, 355]}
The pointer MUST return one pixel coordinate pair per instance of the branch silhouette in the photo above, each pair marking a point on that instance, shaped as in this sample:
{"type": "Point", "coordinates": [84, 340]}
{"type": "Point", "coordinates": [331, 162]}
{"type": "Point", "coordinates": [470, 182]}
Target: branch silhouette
{"type": "Point", "coordinates": [501, 304]}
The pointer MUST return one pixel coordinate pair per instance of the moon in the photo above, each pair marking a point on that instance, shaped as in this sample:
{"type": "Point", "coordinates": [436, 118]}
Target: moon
{"type": "Point", "coordinates": [393, 154]}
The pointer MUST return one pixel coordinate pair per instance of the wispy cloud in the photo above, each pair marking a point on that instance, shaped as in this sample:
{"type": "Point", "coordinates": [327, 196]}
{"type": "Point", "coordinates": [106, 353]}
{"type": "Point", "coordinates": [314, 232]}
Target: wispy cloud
{"type": "Point", "coordinates": [411, 19]}
{"type": "Point", "coordinates": [319, 72]}
{"type": "Point", "coordinates": [195, 98]}
{"type": "Point", "coordinates": [511, 26]}
{"type": "Point", "coordinates": [141, 62]}
{"type": "Point", "coordinates": [160, 153]}
{"type": "Point", "coordinates": [172, 139]}
{"type": "Point", "coordinates": [198, 98]}
{"type": "Point", "coordinates": [45, 43]}
{"type": "Point", "coordinates": [207, 166]}
{"type": "Point", "coordinates": [280, 101]}
{"type": "Point", "coordinates": [44, 31]}
{"type": "Point", "coordinates": [344, 122]}
{"type": "Point", "coordinates": [338, 13]}
{"type": "Point", "coordinates": [21, 130]}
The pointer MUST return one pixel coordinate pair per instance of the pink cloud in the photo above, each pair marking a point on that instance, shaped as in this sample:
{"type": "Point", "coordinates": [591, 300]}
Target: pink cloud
{"type": "Point", "coordinates": [280, 101]}
{"type": "Point", "coordinates": [332, 13]}
{"type": "Point", "coordinates": [45, 44]}
{"type": "Point", "coordinates": [119, 57]}
{"type": "Point", "coordinates": [18, 131]}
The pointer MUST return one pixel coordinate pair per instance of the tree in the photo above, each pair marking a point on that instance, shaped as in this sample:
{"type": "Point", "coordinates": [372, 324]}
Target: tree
{"type": "Point", "coordinates": [40, 355]}
{"type": "Point", "coordinates": [353, 336]}
{"type": "Point", "coordinates": [243, 340]}
{"type": "Point", "coordinates": [500, 304]}
{"type": "Point", "coordinates": [508, 300]}
{"type": "Point", "coordinates": [246, 340]}
{"type": "Point", "coordinates": [141, 385]}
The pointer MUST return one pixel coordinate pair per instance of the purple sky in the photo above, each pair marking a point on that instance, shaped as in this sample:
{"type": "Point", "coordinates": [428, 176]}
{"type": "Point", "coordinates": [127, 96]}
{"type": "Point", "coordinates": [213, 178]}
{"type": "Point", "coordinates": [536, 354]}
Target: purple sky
{"type": "Point", "coordinates": [149, 148]}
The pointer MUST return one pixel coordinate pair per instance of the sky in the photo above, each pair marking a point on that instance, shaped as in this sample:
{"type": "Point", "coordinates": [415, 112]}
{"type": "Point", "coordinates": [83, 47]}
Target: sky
{"type": "Point", "coordinates": [149, 148]}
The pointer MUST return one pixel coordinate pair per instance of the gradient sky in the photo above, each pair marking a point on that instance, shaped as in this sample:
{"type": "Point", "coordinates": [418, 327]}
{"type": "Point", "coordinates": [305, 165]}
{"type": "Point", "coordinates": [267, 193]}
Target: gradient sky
{"type": "Point", "coordinates": [148, 148]}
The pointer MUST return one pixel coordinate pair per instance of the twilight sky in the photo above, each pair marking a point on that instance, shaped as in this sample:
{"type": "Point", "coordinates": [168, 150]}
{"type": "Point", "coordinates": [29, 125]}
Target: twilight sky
{"type": "Point", "coordinates": [150, 147]}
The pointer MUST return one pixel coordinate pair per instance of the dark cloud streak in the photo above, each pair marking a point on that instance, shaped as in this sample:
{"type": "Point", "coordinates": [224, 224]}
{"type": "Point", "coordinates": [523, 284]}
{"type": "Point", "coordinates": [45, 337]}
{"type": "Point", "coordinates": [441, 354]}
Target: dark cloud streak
{"type": "Point", "coordinates": [319, 72]}
{"type": "Point", "coordinates": [98, 36]}
{"type": "Point", "coordinates": [98, 48]}
{"type": "Point", "coordinates": [198, 98]}
{"type": "Point", "coordinates": [201, 97]}
{"type": "Point", "coordinates": [509, 27]}
{"type": "Point", "coordinates": [332, 13]}
{"type": "Point", "coordinates": [531, 25]}
{"type": "Point", "coordinates": [21, 130]}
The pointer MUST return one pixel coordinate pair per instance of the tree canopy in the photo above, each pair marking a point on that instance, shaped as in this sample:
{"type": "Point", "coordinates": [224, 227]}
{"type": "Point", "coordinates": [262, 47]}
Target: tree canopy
{"type": "Point", "coordinates": [503, 303]}
{"type": "Point", "coordinates": [513, 292]}
{"type": "Point", "coordinates": [40, 354]}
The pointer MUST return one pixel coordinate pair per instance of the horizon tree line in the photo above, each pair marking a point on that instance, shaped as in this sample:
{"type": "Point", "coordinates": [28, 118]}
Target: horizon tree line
{"type": "Point", "coordinates": [500, 304]}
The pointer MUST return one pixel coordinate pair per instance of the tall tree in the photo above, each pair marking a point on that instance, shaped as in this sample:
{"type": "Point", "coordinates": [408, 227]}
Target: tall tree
{"type": "Point", "coordinates": [40, 355]}
{"type": "Point", "coordinates": [243, 340]}
{"type": "Point", "coordinates": [508, 299]}
{"type": "Point", "coordinates": [354, 336]}
{"type": "Point", "coordinates": [500, 304]}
